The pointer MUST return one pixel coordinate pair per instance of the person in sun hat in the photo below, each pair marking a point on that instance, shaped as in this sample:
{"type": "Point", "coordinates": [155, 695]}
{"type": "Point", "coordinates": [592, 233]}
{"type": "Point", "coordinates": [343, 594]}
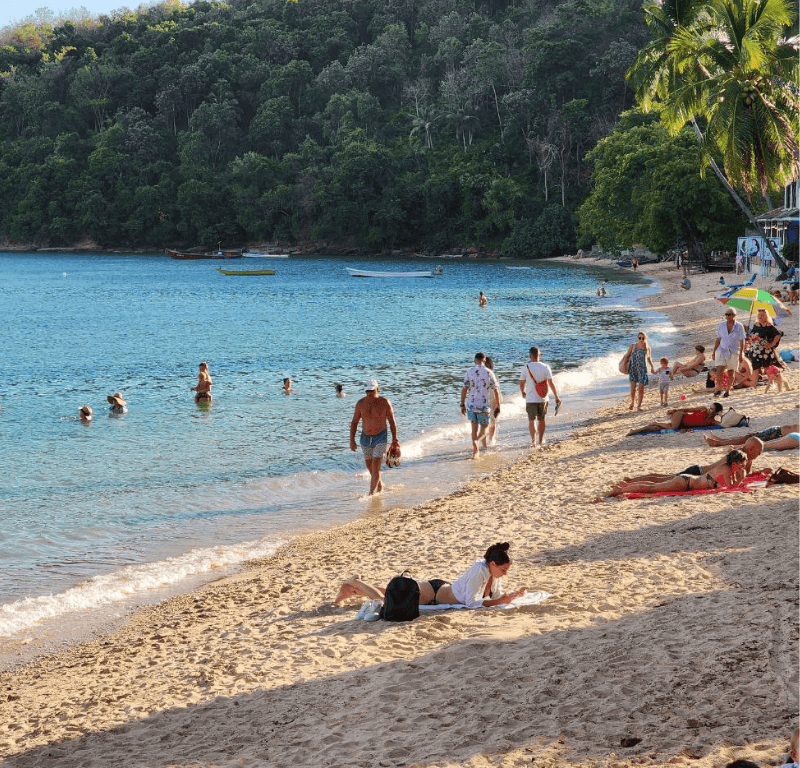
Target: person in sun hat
{"type": "Point", "coordinates": [85, 413]}
{"type": "Point", "coordinates": [118, 403]}
{"type": "Point", "coordinates": [374, 412]}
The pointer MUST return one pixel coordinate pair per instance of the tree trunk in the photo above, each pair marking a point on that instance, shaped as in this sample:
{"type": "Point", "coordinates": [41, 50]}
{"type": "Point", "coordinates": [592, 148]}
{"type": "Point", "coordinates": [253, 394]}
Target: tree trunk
{"type": "Point", "coordinates": [497, 109]}
{"type": "Point", "coordinates": [745, 210]}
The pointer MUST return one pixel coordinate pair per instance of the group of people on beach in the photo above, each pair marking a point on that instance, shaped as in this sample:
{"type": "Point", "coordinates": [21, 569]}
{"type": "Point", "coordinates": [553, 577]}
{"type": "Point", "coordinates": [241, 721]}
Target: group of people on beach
{"type": "Point", "coordinates": [740, 359]}
{"type": "Point", "coordinates": [481, 399]}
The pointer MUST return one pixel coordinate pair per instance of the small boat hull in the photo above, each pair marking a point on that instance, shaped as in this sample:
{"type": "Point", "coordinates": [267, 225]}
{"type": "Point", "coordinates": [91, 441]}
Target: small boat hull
{"type": "Point", "coordinates": [254, 255]}
{"type": "Point", "coordinates": [246, 271]}
{"type": "Point", "coordinates": [188, 256]}
{"type": "Point", "coordinates": [367, 273]}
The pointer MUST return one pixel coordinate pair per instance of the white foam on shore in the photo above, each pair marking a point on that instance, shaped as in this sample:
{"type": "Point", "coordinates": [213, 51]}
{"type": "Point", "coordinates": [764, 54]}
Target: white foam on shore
{"type": "Point", "coordinates": [127, 582]}
{"type": "Point", "coordinates": [433, 462]}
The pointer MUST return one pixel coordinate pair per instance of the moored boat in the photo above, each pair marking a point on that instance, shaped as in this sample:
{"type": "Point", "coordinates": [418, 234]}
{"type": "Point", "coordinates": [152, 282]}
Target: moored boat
{"type": "Point", "coordinates": [367, 273]}
{"type": "Point", "coordinates": [197, 255]}
{"type": "Point", "coordinates": [256, 255]}
{"type": "Point", "coordinates": [246, 271]}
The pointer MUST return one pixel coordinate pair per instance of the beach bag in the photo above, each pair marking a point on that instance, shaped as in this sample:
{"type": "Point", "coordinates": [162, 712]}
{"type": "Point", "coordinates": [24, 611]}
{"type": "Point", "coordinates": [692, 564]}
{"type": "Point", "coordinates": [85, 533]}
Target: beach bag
{"type": "Point", "coordinates": [732, 418]}
{"type": "Point", "coordinates": [541, 386]}
{"type": "Point", "coordinates": [401, 601]}
{"type": "Point", "coordinates": [625, 363]}
{"type": "Point", "coordinates": [783, 475]}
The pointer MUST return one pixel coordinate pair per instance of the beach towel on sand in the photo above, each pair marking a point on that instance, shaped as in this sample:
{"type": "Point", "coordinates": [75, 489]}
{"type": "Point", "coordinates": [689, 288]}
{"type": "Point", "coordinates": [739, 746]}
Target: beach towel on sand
{"type": "Point", "coordinates": [682, 429]}
{"type": "Point", "coordinates": [529, 598]}
{"type": "Point", "coordinates": [745, 485]}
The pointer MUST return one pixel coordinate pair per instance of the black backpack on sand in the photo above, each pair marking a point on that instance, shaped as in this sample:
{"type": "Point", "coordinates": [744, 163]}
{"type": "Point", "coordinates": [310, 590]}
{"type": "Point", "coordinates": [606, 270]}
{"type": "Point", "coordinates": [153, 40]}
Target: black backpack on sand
{"type": "Point", "coordinates": [401, 601]}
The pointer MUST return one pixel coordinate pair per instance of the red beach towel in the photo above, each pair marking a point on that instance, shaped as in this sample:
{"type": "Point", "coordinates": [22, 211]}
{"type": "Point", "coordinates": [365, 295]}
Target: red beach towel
{"type": "Point", "coordinates": [743, 486]}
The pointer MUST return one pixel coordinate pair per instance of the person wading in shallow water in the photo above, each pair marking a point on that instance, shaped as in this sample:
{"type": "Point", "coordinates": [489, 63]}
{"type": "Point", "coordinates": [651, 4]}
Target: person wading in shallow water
{"type": "Point", "coordinates": [374, 412]}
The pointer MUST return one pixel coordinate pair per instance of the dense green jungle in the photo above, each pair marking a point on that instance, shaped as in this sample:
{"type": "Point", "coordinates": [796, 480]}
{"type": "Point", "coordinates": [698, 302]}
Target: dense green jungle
{"type": "Point", "coordinates": [417, 124]}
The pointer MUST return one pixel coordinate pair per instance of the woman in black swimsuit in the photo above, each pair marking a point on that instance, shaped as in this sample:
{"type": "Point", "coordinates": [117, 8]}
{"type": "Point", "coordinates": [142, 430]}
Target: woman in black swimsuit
{"type": "Point", "coordinates": [689, 479]}
{"type": "Point", "coordinates": [478, 586]}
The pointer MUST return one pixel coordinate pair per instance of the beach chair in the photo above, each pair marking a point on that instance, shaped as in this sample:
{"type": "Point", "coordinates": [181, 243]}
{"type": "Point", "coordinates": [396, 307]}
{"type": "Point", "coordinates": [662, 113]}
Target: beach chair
{"type": "Point", "coordinates": [731, 288]}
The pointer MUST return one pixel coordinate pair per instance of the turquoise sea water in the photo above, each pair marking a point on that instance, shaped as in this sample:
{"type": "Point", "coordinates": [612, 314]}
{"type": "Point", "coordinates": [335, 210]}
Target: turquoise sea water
{"type": "Point", "coordinates": [94, 514]}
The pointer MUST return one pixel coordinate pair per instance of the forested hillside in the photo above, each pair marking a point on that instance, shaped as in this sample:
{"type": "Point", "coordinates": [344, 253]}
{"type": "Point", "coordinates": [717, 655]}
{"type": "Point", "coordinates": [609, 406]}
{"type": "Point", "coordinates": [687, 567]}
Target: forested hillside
{"type": "Point", "coordinates": [381, 123]}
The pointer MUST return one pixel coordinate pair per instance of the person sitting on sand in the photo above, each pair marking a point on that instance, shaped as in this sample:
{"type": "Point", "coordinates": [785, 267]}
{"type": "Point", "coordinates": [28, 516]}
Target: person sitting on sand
{"type": "Point", "coordinates": [745, 377]}
{"type": "Point", "coordinates": [479, 586]}
{"type": "Point", "coordinates": [683, 418]}
{"type": "Point", "coordinates": [717, 469]}
{"type": "Point", "coordinates": [765, 435]}
{"type": "Point", "coordinates": [693, 367]}
{"type": "Point", "coordinates": [730, 476]}
{"type": "Point", "coordinates": [204, 384]}
{"type": "Point", "coordinates": [85, 413]}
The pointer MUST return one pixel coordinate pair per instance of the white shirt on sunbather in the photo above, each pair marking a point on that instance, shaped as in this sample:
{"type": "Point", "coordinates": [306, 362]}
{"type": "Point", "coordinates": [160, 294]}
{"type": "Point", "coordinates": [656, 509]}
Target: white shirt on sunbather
{"type": "Point", "coordinates": [469, 587]}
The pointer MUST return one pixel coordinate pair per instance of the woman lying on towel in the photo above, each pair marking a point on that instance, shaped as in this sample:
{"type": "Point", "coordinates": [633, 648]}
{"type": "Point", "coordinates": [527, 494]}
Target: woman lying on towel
{"type": "Point", "coordinates": [730, 474]}
{"type": "Point", "coordinates": [478, 586]}
{"type": "Point", "coordinates": [683, 418]}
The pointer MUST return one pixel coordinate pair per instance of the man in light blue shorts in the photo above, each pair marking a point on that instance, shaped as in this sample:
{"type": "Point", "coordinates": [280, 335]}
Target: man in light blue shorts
{"type": "Point", "coordinates": [484, 397]}
{"type": "Point", "coordinates": [374, 412]}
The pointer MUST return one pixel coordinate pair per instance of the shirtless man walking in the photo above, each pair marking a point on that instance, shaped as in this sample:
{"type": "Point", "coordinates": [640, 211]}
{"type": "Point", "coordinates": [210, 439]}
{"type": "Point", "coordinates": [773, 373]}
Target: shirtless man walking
{"type": "Point", "coordinates": [373, 411]}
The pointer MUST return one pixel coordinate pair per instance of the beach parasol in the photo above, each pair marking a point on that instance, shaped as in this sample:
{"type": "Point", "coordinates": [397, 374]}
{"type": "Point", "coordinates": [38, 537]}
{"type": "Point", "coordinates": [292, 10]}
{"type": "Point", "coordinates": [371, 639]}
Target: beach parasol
{"type": "Point", "coordinates": [751, 300]}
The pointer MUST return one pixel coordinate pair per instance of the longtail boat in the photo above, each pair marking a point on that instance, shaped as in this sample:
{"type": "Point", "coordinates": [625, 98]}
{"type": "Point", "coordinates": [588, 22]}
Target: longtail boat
{"type": "Point", "coordinates": [246, 271]}
{"type": "Point", "coordinates": [194, 256]}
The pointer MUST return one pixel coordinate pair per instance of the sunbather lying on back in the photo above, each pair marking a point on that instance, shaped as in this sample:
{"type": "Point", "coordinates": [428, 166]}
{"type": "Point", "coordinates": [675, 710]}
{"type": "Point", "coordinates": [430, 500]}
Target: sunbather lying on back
{"type": "Point", "coordinates": [765, 435]}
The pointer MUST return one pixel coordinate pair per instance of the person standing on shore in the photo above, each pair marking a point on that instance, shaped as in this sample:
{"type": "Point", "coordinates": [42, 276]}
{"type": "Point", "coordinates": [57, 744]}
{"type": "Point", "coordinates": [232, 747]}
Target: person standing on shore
{"type": "Point", "coordinates": [484, 397]}
{"type": "Point", "coordinates": [637, 358]}
{"type": "Point", "coordinates": [730, 343]}
{"type": "Point", "coordinates": [374, 412]}
{"type": "Point", "coordinates": [535, 381]}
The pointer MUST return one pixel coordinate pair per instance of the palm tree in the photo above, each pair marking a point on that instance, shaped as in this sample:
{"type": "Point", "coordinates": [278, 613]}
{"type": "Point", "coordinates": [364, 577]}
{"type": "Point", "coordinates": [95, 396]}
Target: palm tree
{"type": "Point", "coordinates": [423, 122]}
{"type": "Point", "coordinates": [723, 62]}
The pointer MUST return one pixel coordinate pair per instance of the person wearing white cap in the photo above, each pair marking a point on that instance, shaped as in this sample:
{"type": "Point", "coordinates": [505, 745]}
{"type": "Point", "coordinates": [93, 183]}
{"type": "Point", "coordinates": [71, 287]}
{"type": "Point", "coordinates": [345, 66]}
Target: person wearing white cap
{"type": "Point", "coordinates": [374, 412]}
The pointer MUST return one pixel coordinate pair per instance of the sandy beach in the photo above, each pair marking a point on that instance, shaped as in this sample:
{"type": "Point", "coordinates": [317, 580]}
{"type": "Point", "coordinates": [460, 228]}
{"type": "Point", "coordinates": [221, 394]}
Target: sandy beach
{"type": "Point", "coordinates": [670, 637]}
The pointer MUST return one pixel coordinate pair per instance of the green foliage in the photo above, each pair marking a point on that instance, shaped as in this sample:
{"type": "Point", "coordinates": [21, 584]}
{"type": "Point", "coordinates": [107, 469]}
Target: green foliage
{"type": "Point", "coordinates": [648, 189]}
{"type": "Point", "coordinates": [384, 124]}
{"type": "Point", "coordinates": [726, 64]}
{"type": "Point", "coordinates": [551, 234]}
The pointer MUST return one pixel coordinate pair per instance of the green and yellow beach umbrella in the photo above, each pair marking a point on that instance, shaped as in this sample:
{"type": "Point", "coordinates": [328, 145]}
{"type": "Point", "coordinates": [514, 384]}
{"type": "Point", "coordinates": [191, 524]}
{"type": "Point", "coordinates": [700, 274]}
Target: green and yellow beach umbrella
{"type": "Point", "coordinates": [751, 300]}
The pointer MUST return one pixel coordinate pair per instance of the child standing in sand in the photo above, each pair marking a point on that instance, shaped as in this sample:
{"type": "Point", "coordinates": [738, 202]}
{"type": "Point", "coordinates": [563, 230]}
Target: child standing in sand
{"type": "Point", "coordinates": [664, 378]}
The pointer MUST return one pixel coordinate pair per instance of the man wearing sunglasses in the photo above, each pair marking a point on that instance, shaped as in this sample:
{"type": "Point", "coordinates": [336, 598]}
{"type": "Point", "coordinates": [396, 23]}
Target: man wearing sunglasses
{"type": "Point", "coordinates": [730, 343]}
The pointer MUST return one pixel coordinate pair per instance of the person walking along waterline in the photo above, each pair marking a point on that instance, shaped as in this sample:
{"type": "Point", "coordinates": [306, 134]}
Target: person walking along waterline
{"type": "Point", "coordinates": [534, 383]}
{"type": "Point", "coordinates": [480, 395]}
{"type": "Point", "coordinates": [374, 412]}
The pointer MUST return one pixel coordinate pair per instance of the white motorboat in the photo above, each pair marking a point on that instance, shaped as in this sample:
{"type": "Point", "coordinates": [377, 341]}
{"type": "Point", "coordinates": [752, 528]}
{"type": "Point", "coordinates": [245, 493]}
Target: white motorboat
{"type": "Point", "coordinates": [256, 255]}
{"type": "Point", "coordinates": [367, 273]}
